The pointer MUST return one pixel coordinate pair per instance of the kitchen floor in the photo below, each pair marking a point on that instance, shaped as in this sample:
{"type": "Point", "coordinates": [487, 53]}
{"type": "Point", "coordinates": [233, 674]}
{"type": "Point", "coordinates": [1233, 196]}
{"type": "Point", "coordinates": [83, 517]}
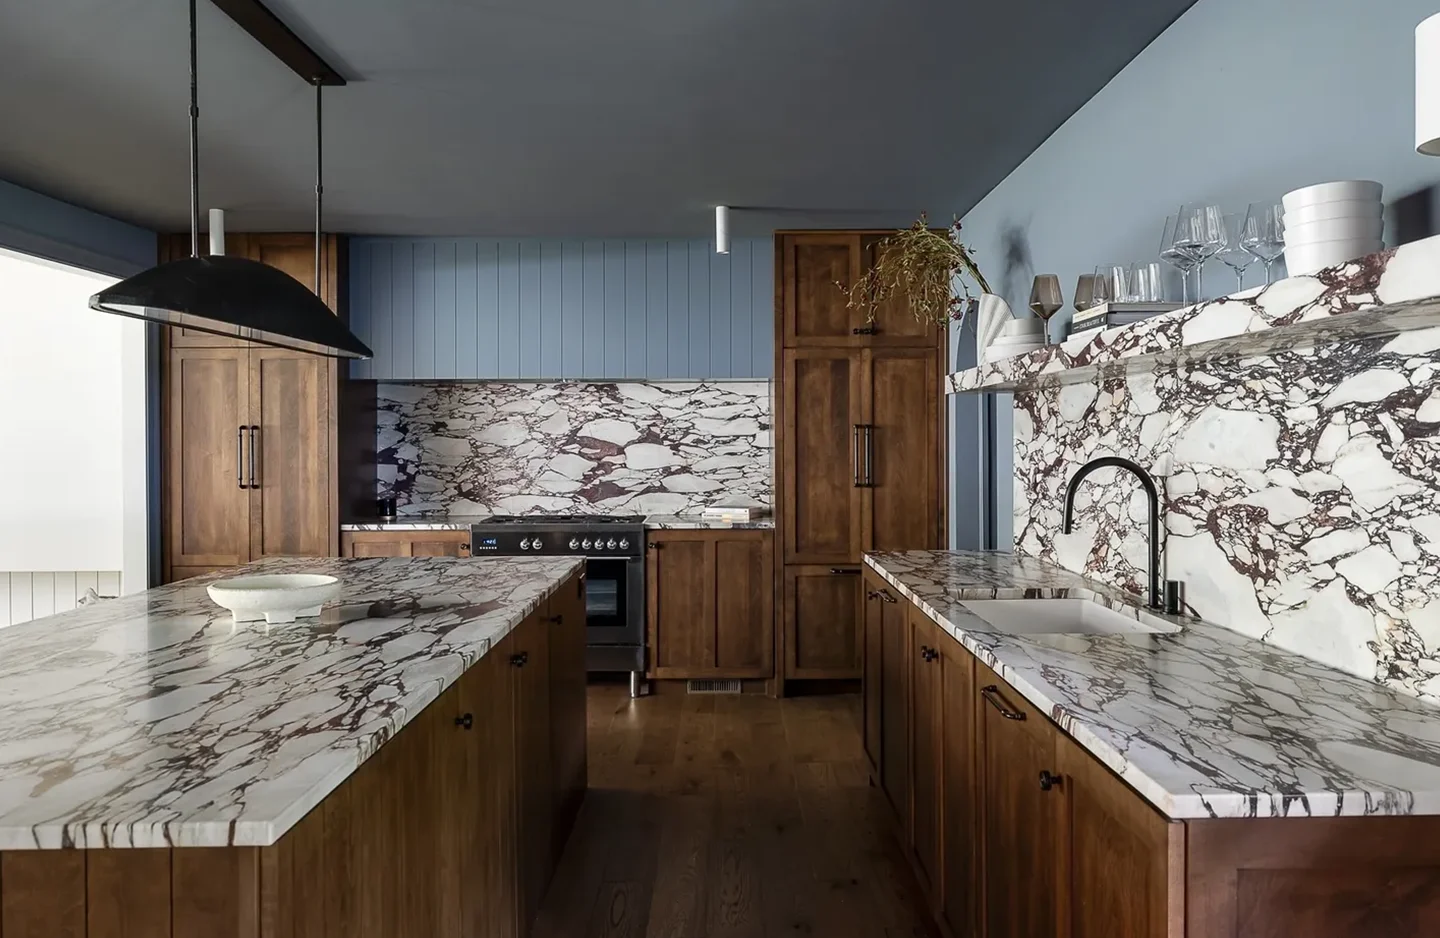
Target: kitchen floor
{"type": "Point", "coordinates": [730, 815]}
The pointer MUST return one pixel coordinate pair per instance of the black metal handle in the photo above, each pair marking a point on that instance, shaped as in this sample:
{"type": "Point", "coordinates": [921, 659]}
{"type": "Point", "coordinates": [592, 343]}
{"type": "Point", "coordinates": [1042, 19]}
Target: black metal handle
{"type": "Point", "coordinates": [855, 455]}
{"type": "Point", "coordinates": [870, 455]}
{"type": "Point", "coordinates": [928, 654]}
{"type": "Point", "coordinates": [844, 571]}
{"type": "Point", "coordinates": [864, 330]}
{"type": "Point", "coordinates": [886, 597]}
{"type": "Point", "coordinates": [466, 720]}
{"type": "Point", "coordinates": [519, 659]}
{"type": "Point", "coordinates": [254, 484]}
{"type": "Point", "coordinates": [991, 693]}
{"type": "Point", "coordinates": [240, 456]}
{"type": "Point", "coordinates": [555, 620]}
{"type": "Point", "coordinates": [654, 546]}
{"type": "Point", "coordinates": [1048, 781]}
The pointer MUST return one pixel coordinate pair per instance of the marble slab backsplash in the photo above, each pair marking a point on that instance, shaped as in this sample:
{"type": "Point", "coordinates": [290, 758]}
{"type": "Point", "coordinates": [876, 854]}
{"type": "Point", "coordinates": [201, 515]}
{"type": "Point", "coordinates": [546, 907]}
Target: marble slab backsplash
{"type": "Point", "coordinates": [1301, 492]}
{"type": "Point", "coordinates": [553, 448]}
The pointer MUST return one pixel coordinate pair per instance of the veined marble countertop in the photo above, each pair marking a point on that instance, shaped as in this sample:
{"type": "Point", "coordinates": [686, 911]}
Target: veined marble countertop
{"type": "Point", "coordinates": [153, 720]}
{"type": "Point", "coordinates": [1204, 722]}
{"type": "Point", "coordinates": [463, 523]}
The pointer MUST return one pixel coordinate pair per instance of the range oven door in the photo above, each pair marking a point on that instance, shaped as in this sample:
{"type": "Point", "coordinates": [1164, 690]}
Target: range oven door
{"type": "Point", "coordinates": [614, 601]}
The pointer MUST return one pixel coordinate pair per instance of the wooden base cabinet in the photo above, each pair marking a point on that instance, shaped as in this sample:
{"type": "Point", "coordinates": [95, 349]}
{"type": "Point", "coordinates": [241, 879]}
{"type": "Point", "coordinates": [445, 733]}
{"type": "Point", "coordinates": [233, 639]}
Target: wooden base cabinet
{"type": "Point", "coordinates": [822, 622]}
{"type": "Point", "coordinates": [711, 605]}
{"type": "Point", "coordinates": [405, 543]}
{"type": "Point", "coordinates": [444, 832]}
{"type": "Point", "coordinates": [1015, 831]}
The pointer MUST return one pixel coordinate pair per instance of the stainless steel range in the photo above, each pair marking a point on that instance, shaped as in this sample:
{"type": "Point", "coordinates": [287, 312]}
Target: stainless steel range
{"type": "Point", "coordinates": [613, 547]}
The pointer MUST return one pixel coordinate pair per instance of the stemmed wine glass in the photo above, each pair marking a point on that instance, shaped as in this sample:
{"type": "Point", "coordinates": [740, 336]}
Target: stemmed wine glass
{"type": "Point", "coordinates": [1045, 296]}
{"type": "Point", "coordinates": [1202, 235]}
{"type": "Point", "coordinates": [1234, 254]}
{"type": "Point", "coordinates": [1263, 234]}
{"type": "Point", "coordinates": [1174, 252]}
{"type": "Point", "coordinates": [1084, 292]}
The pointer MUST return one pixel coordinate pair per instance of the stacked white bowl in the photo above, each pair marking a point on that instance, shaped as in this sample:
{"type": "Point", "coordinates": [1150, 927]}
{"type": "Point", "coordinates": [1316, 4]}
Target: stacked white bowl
{"type": "Point", "coordinates": [1332, 223]}
{"type": "Point", "coordinates": [1018, 336]}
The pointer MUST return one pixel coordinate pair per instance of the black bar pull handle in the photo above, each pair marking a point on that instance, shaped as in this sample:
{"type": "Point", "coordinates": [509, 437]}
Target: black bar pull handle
{"type": "Point", "coordinates": [240, 456]}
{"type": "Point", "coordinates": [991, 693]}
{"type": "Point", "coordinates": [869, 455]}
{"type": "Point", "coordinates": [253, 483]}
{"type": "Point", "coordinates": [844, 571]}
{"type": "Point", "coordinates": [855, 455]}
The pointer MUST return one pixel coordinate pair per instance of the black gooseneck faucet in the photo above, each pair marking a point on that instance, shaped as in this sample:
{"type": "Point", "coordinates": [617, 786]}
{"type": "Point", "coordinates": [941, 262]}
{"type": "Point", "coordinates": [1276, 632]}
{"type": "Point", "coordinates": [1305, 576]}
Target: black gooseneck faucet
{"type": "Point", "coordinates": [1151, 492]}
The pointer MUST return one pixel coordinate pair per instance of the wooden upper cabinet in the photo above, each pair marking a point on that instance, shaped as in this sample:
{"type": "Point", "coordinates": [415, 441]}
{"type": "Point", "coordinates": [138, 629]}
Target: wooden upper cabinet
{"type": "Point", "coordinates": [904, 505]}
{"type": "Point", "coordinates": [823, 449]}
{"type": "Point", "coordinates": [207, 397]}
{"type": "Point", "coordinates": [1116, 856]}
{"type": "Point", "coordinates": [1021, 817]}
{"type": "Point", "coordinates": [290, 409]}
{"type": "Point", "coordinates": [815, 271]}
{"type": "Point", "coordinates": [894, 323]}
{"type": "Point", "coordinates": [710, 606]}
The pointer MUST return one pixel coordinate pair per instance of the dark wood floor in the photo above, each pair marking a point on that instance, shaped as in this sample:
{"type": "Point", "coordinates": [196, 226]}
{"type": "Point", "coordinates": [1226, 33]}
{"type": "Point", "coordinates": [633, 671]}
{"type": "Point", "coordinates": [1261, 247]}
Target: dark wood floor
{"type": "Point", "coordinates": [721, 816]}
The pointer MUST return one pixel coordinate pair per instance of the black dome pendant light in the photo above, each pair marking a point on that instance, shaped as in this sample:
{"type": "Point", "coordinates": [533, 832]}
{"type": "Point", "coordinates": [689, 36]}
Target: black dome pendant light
{"type": "Point", "coordinates": [235, 296]}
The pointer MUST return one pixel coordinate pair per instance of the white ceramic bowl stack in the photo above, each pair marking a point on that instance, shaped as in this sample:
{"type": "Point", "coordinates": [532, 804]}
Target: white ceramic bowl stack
{"type": "Point", "coordinates": [1018, 337]}
{"type": "Point", "coordinates": [1332, 223]}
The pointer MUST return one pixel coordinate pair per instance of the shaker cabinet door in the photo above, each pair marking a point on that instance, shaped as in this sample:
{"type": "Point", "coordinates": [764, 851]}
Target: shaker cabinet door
{"type": "Point", "coordinates": [291, 496]}
{"type": "Point", "coordinates": [824, 456]}
{"type": "Point", "coordinates": [893, 324]}
{"type": "Point", "coordinates": [903, 506]}
{"type": "Point", "coordinates": [814, 270]}
{"type": "Point", "coordinates": [822, 610]}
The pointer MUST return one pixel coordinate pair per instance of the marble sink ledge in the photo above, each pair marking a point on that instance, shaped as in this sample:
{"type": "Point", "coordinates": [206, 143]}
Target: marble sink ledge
{"type": "Point", "coordinates": [1202, 723]}
{"type": "Point", "coordinates": [152, 720]}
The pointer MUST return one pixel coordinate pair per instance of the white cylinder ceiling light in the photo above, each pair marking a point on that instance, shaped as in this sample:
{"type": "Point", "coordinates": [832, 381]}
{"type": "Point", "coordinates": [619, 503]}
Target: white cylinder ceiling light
{"type": "Point", "coordinates": [722, 229]}
{"type": "Point", "coordinates": [1427, 87]}
{"type": "Point", "coordinates": [217, 231]}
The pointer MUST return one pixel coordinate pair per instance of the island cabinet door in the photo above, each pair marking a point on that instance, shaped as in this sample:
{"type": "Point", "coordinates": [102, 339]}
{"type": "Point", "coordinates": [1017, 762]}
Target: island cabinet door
{"type": "Point", "coordinates": [531, 660]}
{"type": "Point", "coordinates": [958, 889]}
{"type": "Point", "coordinates": [925, 761]}
{"type": "Point", "coordinates": [1120, 860]}
{"type": "Point", "coordinates": [895, 704]}
{"type": "Point", "coordinates": [873, 680]}
{"type": "Point", "coordinates": [1021, 813]}
{"type": "Point", "coordinates": [565, 615]}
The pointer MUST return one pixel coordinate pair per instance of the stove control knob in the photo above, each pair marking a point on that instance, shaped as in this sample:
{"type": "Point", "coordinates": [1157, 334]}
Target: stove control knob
{"type": "Point", "coordinates": [585, 543]}
{"type": "Point", "coordinates": [610, 544]}
{"type": "Point", "coordinates": [525, 544]}
{"type": "Point", "coordinates": [574, 543]}
{"type": "Point", "coordinates": [624, 543]}
{"type": "Point", "coordinates": [536, 543]}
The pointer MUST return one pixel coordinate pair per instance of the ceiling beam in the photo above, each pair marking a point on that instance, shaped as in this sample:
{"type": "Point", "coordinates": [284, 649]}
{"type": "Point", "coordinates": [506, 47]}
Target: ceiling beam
{"type": "Point", "coordinates": [268, 29]}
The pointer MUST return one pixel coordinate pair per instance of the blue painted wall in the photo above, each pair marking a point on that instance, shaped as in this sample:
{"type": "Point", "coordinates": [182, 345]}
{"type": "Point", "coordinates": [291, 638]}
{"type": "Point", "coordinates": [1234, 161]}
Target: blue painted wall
{"type": "Point", "coordinates": [474, 308]}
{"type": "Point", "coordinates": [58, 231]}
{"type": "Point", "coordinates": [1239, 100]}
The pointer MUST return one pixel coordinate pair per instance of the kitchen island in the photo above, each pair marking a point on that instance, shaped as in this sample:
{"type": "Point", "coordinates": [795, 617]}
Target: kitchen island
{"type": "Point", "coordinates": [408, 763]}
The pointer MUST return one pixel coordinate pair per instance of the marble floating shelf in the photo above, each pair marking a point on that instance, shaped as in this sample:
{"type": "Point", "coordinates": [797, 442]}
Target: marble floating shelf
{"type": "Point", "coordinates": [1383, 294]}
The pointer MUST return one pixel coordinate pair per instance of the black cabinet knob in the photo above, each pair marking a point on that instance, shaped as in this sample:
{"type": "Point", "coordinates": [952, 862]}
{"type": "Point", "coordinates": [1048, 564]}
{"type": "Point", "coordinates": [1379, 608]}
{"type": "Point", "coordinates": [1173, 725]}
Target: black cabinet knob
{"type": "Point", "coordinates": [467, 720]}
{"type": "Point", "coordinates": [1048, 781]}
{"type": "Point", "coordinates": [519, 660]}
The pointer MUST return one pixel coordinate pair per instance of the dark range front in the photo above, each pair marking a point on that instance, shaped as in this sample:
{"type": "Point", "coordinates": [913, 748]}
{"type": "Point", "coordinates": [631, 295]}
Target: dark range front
{"type": "Point", "coordinates": [613, 548]}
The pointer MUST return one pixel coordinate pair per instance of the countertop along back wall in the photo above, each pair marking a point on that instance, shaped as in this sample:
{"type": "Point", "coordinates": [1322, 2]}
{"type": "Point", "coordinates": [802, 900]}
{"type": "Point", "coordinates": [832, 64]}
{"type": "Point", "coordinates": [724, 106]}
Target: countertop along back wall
{"type": "Point", "coordinates": [533, 309]}
{"type": "Point", "coordinates": [1239, 100]}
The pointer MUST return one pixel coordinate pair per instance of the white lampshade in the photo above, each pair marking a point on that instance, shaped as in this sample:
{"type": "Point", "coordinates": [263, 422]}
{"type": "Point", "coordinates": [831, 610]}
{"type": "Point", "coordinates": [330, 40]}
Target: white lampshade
{"type": "Point", "coordinates": [1427, 86]}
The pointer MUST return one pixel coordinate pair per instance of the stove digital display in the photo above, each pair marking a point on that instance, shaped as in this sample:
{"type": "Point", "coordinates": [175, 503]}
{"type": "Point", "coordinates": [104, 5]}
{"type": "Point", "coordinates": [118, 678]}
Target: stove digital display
{"type": "Point", "coordinates": [487, 543]}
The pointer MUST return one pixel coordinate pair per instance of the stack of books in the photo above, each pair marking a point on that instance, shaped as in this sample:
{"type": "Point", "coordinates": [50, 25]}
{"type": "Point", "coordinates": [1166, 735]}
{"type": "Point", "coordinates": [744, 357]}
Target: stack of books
{"type": "Point", "coordinates": [1090, 322]}
{"type": "Point", "coordinates": [735, 514]}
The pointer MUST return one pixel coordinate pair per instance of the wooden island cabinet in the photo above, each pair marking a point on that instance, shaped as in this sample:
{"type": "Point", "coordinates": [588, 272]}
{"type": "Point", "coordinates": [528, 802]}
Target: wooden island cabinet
{"type": "Point", "coordinates": [1016, 831]}
{"type": "Point", "coordinates": [450, 830]}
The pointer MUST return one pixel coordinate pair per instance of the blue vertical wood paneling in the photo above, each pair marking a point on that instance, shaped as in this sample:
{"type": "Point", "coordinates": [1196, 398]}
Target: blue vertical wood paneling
{"type": "Point", "coordinates": [537, 309]}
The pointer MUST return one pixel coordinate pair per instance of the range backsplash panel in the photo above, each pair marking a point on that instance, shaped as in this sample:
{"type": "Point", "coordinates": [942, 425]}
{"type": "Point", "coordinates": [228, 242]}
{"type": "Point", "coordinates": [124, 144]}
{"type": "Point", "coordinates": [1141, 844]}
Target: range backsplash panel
{"type": "Point", "coordinates": [606, 448]}
{"type": "Point", "coordinates": [1301, 491]}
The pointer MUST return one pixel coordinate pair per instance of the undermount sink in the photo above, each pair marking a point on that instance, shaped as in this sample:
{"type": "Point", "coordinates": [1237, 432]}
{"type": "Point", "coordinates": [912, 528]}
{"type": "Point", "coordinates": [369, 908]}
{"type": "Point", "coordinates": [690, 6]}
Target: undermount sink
{"type": "Point", "coordinates": [1063, 616]}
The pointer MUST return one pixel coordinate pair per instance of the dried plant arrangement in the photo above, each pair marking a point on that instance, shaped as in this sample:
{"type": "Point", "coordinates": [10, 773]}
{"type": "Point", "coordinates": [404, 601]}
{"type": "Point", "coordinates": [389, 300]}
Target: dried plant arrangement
{"type": "Point", "coordinates": [921, 266]}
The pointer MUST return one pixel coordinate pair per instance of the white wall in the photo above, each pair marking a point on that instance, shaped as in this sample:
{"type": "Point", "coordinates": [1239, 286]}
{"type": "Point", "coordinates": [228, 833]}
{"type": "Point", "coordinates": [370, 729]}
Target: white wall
{"type": "Point", "coordinates": [1239, 100]}
{"type": "Point", "coordinates": [64, 438]}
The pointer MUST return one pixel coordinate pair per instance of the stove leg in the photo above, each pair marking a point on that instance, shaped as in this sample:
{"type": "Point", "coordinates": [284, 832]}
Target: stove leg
{"type": "Point", "coordinates": [637, 684]}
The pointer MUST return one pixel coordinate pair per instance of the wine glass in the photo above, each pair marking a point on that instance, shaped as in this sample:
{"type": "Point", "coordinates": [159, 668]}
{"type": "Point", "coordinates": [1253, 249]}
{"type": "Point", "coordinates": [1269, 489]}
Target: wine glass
{"type": "Point", "coordinates": [1234, 254]}
{"type": "Point", "coordinates": [1204, 229]}
{"type": "Point", "coordinates": [1263, 234]}
{"type": "Point", "coordinates": [1045, 296]}
{"type": "Point", "coordinates": [1084, 292]}
{"type": "Point", "coordinates": [1174, 251]}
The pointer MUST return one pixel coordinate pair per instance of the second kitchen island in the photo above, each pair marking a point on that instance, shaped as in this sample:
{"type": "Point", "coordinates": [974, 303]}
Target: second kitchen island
{"type": "Point", "coordinates": [408, 764]}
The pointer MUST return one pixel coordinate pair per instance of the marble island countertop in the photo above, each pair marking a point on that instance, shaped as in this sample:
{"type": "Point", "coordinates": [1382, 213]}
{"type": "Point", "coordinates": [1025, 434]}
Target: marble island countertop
{"type": "Point", "coordinates": [1203, 722]}
{"type": "Point", "coordinates": [153, 720]}
{"type": "Point", "coordinates": [443, 522]}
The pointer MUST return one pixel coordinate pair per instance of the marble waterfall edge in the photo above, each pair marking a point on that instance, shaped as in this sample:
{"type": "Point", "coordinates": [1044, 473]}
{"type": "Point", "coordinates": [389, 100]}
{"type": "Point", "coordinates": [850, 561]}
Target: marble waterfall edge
{"type": "Point", "coordinates": [586, 447]}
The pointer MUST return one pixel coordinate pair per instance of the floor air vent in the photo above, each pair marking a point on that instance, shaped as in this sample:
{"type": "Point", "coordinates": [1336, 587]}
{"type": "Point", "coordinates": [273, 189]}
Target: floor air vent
{"type": "Point", "coordinates": [712, 687]}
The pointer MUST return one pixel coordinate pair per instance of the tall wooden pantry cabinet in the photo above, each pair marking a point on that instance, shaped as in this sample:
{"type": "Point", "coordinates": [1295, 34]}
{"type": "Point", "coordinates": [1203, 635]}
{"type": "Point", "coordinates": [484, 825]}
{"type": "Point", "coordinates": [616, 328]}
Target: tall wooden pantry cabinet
{"type": "Point", "coordinates": [250, 432]}
{"type": "Point", "coordinates": [859, 431]}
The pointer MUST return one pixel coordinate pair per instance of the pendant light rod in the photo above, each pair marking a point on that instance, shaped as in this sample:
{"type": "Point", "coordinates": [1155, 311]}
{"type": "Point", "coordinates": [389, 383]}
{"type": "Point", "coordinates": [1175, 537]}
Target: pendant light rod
{"type": "Point", "coordinates": [272, 33]}
{"type": "Point", "coordinates": [319, 178]}
{"type": "Point", "coordinates": [194, 139]}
